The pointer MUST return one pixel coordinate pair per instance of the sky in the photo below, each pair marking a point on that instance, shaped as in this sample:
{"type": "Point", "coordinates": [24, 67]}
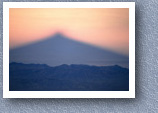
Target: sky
{"type": "Point", "coordinates": [103, 27]}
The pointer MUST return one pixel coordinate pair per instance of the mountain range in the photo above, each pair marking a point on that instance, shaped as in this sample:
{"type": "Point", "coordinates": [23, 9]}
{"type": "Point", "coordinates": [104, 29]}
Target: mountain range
{"type": "Point", "coordinates": [74, 77]}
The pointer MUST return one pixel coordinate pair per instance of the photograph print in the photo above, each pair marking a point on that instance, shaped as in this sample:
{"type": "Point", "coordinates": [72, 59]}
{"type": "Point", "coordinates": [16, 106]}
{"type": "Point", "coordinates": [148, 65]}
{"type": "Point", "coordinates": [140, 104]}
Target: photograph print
{"type": "Point", "coordinates": [68, 49]}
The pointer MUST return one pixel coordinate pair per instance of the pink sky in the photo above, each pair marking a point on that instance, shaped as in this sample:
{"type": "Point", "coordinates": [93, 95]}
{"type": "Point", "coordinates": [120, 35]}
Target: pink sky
{"type": "Point", "coordinates": [103, 27]}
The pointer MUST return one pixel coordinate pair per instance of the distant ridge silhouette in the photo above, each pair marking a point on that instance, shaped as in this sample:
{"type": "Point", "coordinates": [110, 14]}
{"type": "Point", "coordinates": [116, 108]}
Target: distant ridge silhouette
{"type": "Point", "coordinates": [41, 77]}
{"type": "Point", "coordinates": [59, 49]}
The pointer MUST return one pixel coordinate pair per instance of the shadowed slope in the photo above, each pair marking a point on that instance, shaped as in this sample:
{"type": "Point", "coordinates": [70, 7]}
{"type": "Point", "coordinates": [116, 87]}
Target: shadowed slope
{"type": "Point", "coordinates": [40, 77]}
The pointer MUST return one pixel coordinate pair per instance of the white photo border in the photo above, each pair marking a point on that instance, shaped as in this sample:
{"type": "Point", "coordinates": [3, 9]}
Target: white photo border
{"type": "Point", "coordinates": [68, 94]}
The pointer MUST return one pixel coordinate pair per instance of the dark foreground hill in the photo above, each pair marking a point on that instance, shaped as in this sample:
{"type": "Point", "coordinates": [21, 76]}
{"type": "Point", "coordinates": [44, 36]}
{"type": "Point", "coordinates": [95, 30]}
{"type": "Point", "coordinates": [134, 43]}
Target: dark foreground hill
{"type": "Point", "coordinates": [41, 77]}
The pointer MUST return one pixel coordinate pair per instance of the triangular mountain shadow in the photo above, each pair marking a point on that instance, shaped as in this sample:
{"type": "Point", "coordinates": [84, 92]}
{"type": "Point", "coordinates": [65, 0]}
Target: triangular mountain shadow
{"type": "Point", "coordinates": [58, 49]}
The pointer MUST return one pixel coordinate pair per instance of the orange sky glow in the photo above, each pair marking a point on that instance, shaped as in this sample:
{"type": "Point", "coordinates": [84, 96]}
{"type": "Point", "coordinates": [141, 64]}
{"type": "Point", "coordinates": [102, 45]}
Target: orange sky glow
{"type": "Point", "coordinates": [102, 27]}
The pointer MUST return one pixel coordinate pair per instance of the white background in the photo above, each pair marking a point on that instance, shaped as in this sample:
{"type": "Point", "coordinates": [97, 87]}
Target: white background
{"type": "Point", "coordinates": [69, 94]}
